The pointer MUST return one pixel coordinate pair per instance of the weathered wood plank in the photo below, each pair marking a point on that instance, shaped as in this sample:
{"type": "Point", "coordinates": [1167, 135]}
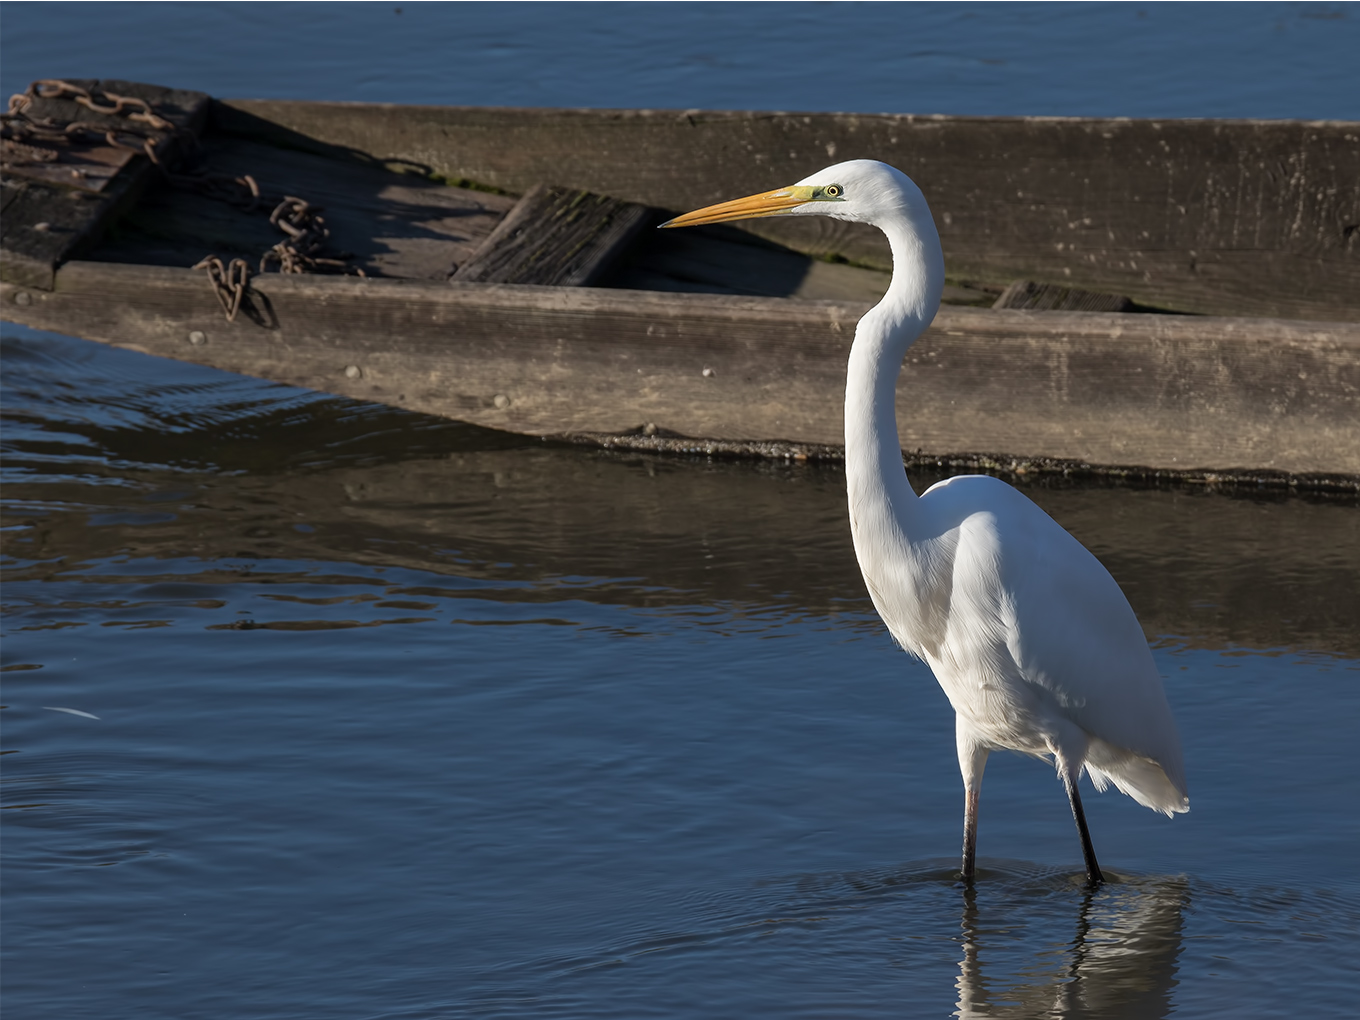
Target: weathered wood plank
{"type": "Point", "coordinates": [1210, 216]}
{"type": "Point", "coordinates": [1048, 297]}
{"type": "Point", "coordinates": [1173, 392]}
{"type": "Point", "coordinates": [718, 259]}
{"type": "Point", "coordinates": [46, 224]}
{"type": "Point", "coordinates": [392, 224]}
{"type": "Point", "coordinates": [72, 164]}
{"type": "Point", "coordinates": [556, 237]}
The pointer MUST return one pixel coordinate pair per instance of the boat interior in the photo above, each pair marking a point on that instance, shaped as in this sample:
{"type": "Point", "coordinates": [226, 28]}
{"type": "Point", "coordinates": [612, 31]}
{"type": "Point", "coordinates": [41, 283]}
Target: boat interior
{"type": "Point", "coordinates": [398, 220]}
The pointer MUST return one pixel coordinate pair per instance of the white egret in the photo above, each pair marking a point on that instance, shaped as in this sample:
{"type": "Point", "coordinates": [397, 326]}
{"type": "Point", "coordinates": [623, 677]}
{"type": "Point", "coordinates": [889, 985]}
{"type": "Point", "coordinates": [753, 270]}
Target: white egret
{"type": "Point", "coordinates": [1033, 642]}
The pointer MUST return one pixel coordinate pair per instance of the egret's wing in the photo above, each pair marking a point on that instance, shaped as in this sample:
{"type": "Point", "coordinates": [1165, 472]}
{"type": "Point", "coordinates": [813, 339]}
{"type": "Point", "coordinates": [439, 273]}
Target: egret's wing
{"type": "Point", "coordinates": [1055, 620]}
{"type": "Point", "coordinates": [1075, 635]}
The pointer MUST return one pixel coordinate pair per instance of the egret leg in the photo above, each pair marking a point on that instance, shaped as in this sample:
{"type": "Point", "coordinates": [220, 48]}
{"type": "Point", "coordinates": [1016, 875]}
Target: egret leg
{"type": "Point", "coordinates": [970, 809]}
{"type": "Point", "coordinates": [1093, 875]}
{"type": "Point", "coordinates": [972, 762]}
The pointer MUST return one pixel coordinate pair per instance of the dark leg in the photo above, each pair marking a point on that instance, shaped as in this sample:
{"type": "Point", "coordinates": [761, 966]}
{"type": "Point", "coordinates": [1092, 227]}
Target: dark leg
{"type": "Point", "coordinates": [972, 762]}
{"type": "Point", "coordinates": [1093, 875]}
{"type": "Point", "coordinates": [970, 807]}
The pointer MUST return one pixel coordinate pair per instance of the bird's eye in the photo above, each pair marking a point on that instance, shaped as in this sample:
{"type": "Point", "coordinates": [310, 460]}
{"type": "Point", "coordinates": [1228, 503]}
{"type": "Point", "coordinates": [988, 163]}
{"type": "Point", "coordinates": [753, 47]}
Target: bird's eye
{"type": "Point", "coordinates": [833, 191]}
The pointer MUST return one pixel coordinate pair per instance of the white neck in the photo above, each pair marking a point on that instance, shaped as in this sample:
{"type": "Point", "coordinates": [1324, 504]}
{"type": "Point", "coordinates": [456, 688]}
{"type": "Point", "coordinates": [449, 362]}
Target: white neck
{"type": "Point", "coordinates": [873, 453]}
{"type": "Point", "coordinates": [884, 509]}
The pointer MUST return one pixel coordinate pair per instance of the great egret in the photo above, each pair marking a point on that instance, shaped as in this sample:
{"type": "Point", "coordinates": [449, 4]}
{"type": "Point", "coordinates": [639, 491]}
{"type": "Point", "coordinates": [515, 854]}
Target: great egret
{"type": "Point", "coordinates": [1033, 642]}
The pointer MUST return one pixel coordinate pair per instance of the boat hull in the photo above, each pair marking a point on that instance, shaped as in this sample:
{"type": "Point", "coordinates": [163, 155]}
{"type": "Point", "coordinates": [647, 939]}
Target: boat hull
{"type": "Point", "coordinates": [1180, 395]}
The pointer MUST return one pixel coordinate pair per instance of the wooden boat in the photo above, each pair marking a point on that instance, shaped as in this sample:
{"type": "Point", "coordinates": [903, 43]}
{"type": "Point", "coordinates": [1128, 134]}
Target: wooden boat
{"type": "Point", "coordinates": [1146, 298]}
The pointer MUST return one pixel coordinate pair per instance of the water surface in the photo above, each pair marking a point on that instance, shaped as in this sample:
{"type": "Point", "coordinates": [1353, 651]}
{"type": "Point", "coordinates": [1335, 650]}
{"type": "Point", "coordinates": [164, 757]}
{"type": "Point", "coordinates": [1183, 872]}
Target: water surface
{"type": "Point", "coordinates": [397, 717]}
{"type": "Point", "coordinates": [314, 708]}
{"type": "Point", "coordinates": [1067, 59]}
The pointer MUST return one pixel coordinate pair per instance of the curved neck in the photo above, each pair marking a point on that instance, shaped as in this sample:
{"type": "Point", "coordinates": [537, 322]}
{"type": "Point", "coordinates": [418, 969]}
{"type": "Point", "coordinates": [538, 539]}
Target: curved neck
{"type": "Point", "coordinates": [878, 486]}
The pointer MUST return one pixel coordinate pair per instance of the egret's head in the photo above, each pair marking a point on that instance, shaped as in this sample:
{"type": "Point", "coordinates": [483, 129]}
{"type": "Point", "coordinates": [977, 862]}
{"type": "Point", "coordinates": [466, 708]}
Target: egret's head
{"type": "Point", "coordinates": [862, 190]}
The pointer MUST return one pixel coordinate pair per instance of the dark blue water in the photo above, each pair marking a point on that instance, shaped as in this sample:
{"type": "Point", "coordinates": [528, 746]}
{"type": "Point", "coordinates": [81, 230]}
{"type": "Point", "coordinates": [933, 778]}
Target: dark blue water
{"type": "Point", "coordinates": [1077, 59]}
{"type": "Point", "coordinates": [314, 708]}
{"type": "Point", "coordinates": [400, 718]}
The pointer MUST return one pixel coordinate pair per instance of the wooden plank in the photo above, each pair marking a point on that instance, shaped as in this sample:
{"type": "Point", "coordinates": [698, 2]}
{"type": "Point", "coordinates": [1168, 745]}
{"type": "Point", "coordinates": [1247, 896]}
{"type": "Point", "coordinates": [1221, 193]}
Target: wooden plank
{"type": "Point", "coordinates": [556, 237]}
{"type": "Point", "coordinates": [393, 224]}
{"type": "Point", "coordinates": [1048, 297]}
{"type": "Point", "coordinates": [79, 165]}
{"type": "Point", "coordinates": [718, 259]}
{"type": "Point", "coordinates": [1211, 216]}
{"type": "Point", "coordinates": [1179, 393]}
{"type": "Point", "coordinates": [46, 224]}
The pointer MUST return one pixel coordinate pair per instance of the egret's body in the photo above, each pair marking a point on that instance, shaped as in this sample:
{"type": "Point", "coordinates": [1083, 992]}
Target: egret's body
{"type": "Point", "coordinates": [1029, 636]}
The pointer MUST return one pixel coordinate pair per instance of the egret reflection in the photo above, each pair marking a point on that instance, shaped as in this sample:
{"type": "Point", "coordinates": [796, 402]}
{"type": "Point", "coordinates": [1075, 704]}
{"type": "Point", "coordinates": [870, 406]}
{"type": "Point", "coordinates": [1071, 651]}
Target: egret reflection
{"type": "Point", "coordinates": [1120, 961]}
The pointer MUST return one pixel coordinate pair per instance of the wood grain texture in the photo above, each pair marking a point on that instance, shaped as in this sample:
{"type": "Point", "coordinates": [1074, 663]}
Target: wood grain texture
{"type": "Point", "coordinates": [1210, 216]}
{"type": "Point", "coordinates": [45, 224]}
{"type": "Point", "coordinates": [556, 237]}
{"type": "Point", "coordinates": [392, 224]}
{"type": "Point", "coordinates": [1048, 297]}
{"type": "Point", "coordinates": [1173, 392]}
{"type": "Point", "coordinates": [80, 164]}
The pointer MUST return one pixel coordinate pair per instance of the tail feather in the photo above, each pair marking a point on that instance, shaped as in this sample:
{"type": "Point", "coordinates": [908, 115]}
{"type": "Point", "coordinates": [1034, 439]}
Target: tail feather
{"type": "Point", "coordinates": [1141, 778]}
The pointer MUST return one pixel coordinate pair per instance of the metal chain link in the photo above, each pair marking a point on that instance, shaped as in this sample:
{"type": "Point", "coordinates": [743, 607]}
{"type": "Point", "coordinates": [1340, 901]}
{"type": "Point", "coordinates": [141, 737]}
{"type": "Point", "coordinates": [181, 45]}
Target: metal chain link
{"type": "Point", "coordinates": [29, 134]}
{"type": "Point", "coordinates": [134, 109]}
{"type": "Point", "coordinates": [228, 282]}
{"type": "Point", "coordinates": [304, 249]}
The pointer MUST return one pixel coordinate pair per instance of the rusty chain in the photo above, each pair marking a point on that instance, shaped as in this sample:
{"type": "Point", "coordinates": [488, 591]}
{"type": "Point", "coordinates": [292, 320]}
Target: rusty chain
{"type": "Point", "coordinates": [130, 107]}
{"type": "Point", "coordinates": [229, 282]}
{"type": "Point", "coordinates": [22, 130]}
{"type": "Point", "coordinates": [306, 245]}
{"type": "Point", "coordinates": [305, 248]}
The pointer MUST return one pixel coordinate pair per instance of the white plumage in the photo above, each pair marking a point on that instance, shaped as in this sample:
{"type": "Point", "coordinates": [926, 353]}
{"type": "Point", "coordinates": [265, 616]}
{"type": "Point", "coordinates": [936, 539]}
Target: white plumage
{"type": "Point", "coordinates": [1027, 633]}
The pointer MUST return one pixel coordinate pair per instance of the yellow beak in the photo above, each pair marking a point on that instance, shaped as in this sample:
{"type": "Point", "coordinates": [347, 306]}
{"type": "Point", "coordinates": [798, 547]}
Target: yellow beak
{"type": "Point", "coordinates": [769, 203]}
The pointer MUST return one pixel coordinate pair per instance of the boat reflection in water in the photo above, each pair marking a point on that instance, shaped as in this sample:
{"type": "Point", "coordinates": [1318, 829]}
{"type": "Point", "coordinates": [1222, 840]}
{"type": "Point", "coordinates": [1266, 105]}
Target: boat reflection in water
{"type": "Point", "coordinates": [297, 605]}
{"type": "Point", "coordinates": [1120, 960]}
{"type": "Point", "coordinates": [1257, 569]}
